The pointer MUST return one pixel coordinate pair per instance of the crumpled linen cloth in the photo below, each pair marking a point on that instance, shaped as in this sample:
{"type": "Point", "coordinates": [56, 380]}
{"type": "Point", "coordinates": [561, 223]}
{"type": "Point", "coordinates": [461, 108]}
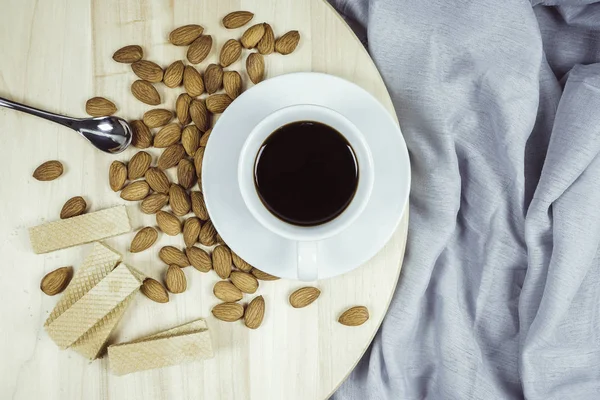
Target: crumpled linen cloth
{"type": "Point", "coordinates": [499, 103]}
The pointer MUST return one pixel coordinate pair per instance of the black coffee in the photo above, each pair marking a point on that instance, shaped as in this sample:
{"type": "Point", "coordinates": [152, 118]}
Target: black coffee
{"type": "Point", "coordinates": [306, 173]}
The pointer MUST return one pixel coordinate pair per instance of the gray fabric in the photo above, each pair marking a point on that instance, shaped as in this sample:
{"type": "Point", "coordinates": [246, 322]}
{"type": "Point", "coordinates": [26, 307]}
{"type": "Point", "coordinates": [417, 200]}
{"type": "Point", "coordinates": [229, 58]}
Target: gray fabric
{"type": "Point", "coordinates": [499, 102]}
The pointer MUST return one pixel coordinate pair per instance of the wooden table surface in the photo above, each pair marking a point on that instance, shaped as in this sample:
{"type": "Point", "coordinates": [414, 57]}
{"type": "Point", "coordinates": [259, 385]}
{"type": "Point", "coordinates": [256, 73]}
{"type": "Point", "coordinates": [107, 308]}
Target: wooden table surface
{"type": "Point", "coordinates": [55, 55]}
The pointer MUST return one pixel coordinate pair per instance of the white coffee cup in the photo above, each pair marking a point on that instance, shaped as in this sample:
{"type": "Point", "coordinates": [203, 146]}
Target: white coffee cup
{"type": "Point", "coordinates": [307, 238]}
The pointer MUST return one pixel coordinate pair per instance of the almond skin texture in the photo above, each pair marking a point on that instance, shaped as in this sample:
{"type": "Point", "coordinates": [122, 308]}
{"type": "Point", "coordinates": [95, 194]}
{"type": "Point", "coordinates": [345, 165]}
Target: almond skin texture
{"type": "Point", "coordinates": [205, 137]}
{"type": "Point", "coordinates": [145, 92]}
{"type": "Point", "coordinates": [184, 35]}
{"type": "Point", "coordinates": [198, 205]}
{"type": "Point", "coordinates": [154, 203]}
{"type": "Point", "coordinates": [171, 156]}
{"type": "Point", "coordinates": [263, 276]}
{"type": "Point", "coordinates": [287, 43]}
{"type": "Point", "coordinates": [56, 281]}
{"type": "Point", "coordinates": [190, 139]}
{"type": "Point", "coordinates": [168, 223]}
{"type": "Point", "coordinates": [199, 49]}
{"type": "Point", "coordinates": [48, 171]}
{"type": "Point", "coordinates": [255, 66]}
{"type": "Point", "coordinates": [138, 165]}
{"type": "Point", "coordinates": [157, 180]}
{"type": "Point", "coordinates": [117, 175]}
{"type": "Point", "coordinates": [182, 108]}
{"type": "Point", "coordinates": [143, 240]}
{"type": "Point", "coordinates": [191, 231]}
{"type": "Point", "coordinates": [304, 296]}
{"type": "Point", "coordinates": [198, 160]}
{"type": "Point", "coordinates": [255, 312]}
{"type": "Point", "coordinates": [230, 52]}
{"type": "Point", "coordinates": [199, 259]}
{"type": "Point", "coordinates": [354, 316]}
{"type": "Point", "coordinates": [244, 281]}
{"type": "Point", "coordinates": [174, 74]}
{"type": "Point", "coordinates": [148, 71]}
{"type": "Point", "coordinates": [141, 135]}
{"type": "Point", "coordinates": [240, 263]}
{"type": "Point", "coordinates": [192, 81]}
{"type": "Point", "coordinates": [232, 82]}
{"type": "Point", "coordinates": [167, 136]}
{"type": "Point", "coordinates": [179, 200]}
{"type": "Point", "coordinates": [213, 78]}
{"type": "Point", "coordinates": [135, 191]}
{"type": "Point", "coordinates": [128, 54]}
{"type": "Point", "coordinates": [221, 261]}
{"type": "Point", "coordinates": [199, 115]}
{"type": "Point", "coordinates": [153, 290]}
{"type": "Point", "coordinates": [157, 117]}
{"type": "Point", "coordinates": [171, 255]}
{"type": "Point", "coordinates": [252, 36]}
{"type": "Point", "coordinates": [100, 107]}
{"type": "Point", "coordinates": [237, 19]}
{"type": "Point", "coordinates": [186, 174]}
{"type": "Point", "coordinates": [217, 103]}
{"type": "Point", "coordinates": [228, 312]}
{"type": "Point", "coordinates": [267, 43]}
{"type": "Point", "coordinates": [208, 234]}
{"type": "Point", "coordinates": [227, 292]}
{"type": "Point", "coordinates": [175, 279]}
{"type": "Point", "coordinates": [73, 207]}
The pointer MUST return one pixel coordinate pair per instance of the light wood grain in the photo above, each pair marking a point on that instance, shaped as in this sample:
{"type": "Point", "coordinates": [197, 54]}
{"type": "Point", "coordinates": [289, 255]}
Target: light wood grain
{"type": "Point", "coordinates": [55, 55]}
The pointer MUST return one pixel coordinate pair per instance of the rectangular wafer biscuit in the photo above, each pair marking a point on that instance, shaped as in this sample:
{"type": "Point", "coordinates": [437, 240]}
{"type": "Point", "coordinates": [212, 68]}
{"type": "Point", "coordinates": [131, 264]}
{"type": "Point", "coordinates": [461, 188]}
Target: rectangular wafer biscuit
{"type": "Point", "coordinates": [185, 343]}
{"type": "Point", "coordinates": [78, 230]}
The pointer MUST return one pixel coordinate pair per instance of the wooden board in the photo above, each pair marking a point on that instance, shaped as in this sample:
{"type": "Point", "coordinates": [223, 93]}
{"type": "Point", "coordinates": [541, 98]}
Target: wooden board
{"type": "Point", "coordinates": [55, 55]}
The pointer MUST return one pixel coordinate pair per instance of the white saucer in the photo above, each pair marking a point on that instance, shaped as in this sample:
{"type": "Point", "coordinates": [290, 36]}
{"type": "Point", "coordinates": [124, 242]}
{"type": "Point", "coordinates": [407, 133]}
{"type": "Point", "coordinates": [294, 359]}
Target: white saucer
{"type": "Point", "coordinates": [275, 254]}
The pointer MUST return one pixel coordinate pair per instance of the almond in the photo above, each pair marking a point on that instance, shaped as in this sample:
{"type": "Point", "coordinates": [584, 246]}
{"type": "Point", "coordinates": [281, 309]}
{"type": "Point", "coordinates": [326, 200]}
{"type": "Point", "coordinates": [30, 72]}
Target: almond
{"type": "Point", "coordinates": [135, 191]}
{"type": "Point", "coordinates": [240, 263]}
{"type": "Point", "coordinates": [226, 291]}
{"type": "Point", "coordinates": [171, 255]}
{"type": "Point", "coordinates": [56, 281]}
{"type": "Point", "coordinates": [73, 207]}
{"type": "Point", "coordinates": [221, 261]}
{"type": "Point", "coordinates": [237, 19]}
{"type": "Point", "coordinates": [182, 108]}
{"type": "Point", "coordinates": [263, 276]}
{"type": "Point", "coordinates": [138, 165]}
{"type": "Point", "coordinates": [157, 117]}
{"type": "Point", "coordinates": [244, 281]}
{"type": "Point", "coordinates": [213, 78]}
{"type": "Point", "coordinates": [232, 82]}
{"type": "Point", "coordinates": [141, 135]}
{"type": "Point", "coordinates": [167, 136]}
{"type": "Point", "coordinates": [198, 205]}
{"type": "Point", "coordinates": [171, 156]}
{"type": "Point", "coordinates": [198, 160]}
{"type": "Point", "coordinates": [143, 240]}
{"type": "Point", "coordinates": [255, 66]}
{"type": "Point", "coordinates": [174, 74]}
{"type": "Point", "coordinates": [199, 259]}
{"type": "Point", "coordinates": [230, 52]}
{"type": "Point", "coordinates": [199, 115]}
{"type": "Point", "coordinates": [184, 35]}
{"type": "Point", "coordinates": [128, 54]}
{"type": "Point", "coordinates": [168, 223]}
{"type": "Point", "coordinates": [145, 92]}
{"type": "Point", "coordinates": [191, 231]}
{"type": "Point", "coordinates": [192, 81]}
{"type": "Point", "coordinates": [100, 107]}
{"type": "Point", "coordinates": [157, 180]}
{"type": "Point", "coordinates": [255, 312]}
{"type": "Point", "coordinates": [175, 279]}
{"type": "Point", "coordinates": [186, 174]}
{"type": "Point", "coordinates": [354, 316]}
{"type": "Point", "coordinates": [252, 36]}
{"type": "Point", "coordinates": [148, 71]}
{"type": "Point", "coordinates": [179, 200]}
{"type": "Point", "coordinates": [154, 203]}
{"type": "Point", "coordinates": [219, 239]}
{"type": "Point", "coordinates": [304, 296]}
{"type": "Point", "coordinates": [190, 139]}
{"type": "Point", "coordinates": [287, 43]}
{"type": "Point", "coordinates": [152, 289]}
{"type": "Point", "coordinates": [117, 175]}
{"type": "Point", "coordinates": [208, 234]}
{"type": "Point", "coordinates": [267, 43]}
{"type": "Point", "coordinates": [48, 171]}
{"type": "Point", "coordinates": [199, 49]}
{"type": "Point", "coordinates": [228, 312]}
{"type": "Point", "coordinates": [217, 103]}
{"type": "Point", "coordinates": [205, 137]}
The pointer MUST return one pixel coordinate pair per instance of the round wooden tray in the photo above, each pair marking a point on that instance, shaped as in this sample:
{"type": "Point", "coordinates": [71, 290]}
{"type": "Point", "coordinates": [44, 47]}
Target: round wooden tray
{"type": "Point", "coordinates": [57, 54]}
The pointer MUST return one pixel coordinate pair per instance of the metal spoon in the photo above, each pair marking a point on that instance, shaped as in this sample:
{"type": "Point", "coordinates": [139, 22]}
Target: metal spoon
{"type": "Point", "coordinates": [109, 134]}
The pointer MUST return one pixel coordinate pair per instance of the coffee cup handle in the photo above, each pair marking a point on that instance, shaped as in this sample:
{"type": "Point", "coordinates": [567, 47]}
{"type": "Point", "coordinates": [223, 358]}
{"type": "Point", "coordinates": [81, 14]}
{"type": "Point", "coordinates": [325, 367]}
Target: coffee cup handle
{"type": "Point", "coordinates": [308, 261]}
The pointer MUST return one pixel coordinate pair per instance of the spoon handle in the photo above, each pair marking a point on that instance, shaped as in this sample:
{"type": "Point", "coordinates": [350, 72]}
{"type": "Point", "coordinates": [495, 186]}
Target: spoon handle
{"type": "Point", "coordinates": [59, 119]}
